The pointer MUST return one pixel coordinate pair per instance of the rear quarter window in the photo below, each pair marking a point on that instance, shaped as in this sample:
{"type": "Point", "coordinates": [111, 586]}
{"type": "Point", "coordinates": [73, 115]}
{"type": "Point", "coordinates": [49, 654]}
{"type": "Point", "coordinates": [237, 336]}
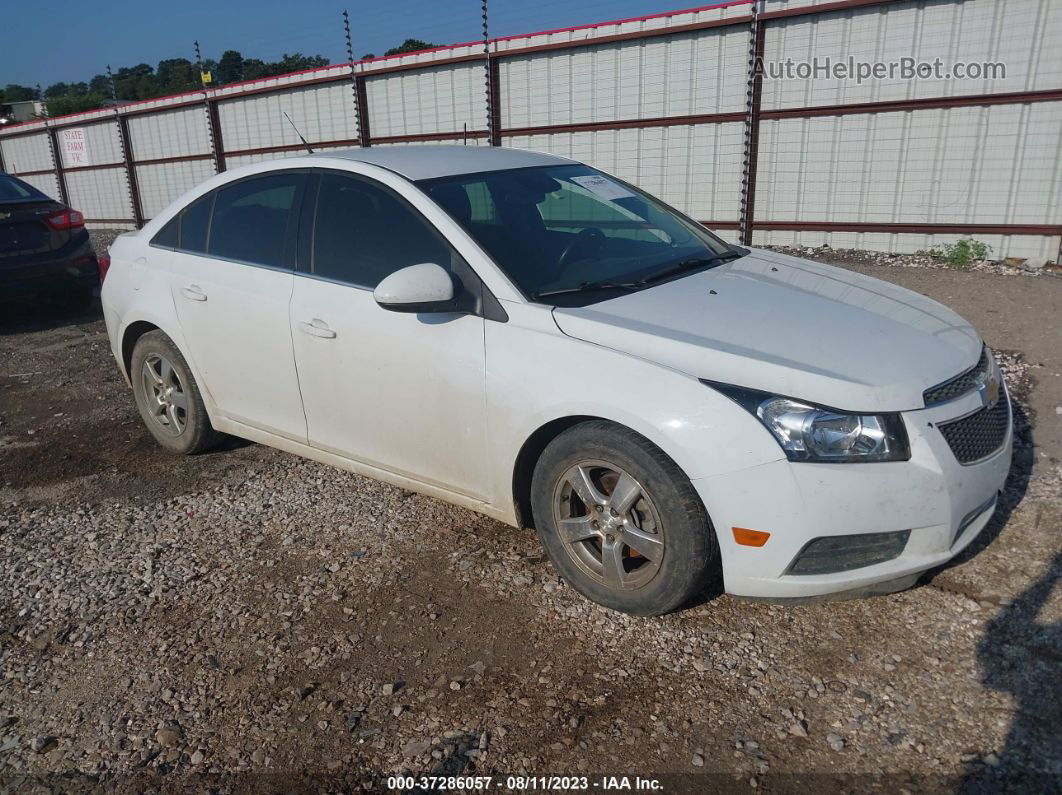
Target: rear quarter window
{"type": "Point", "coordinates": [252, 218]}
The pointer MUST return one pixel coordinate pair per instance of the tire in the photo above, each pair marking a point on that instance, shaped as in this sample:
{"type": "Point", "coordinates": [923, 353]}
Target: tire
{"type": "Point", "coordinates": [168, 397]}
{"type": "Point", "coordinates": [665, 518]}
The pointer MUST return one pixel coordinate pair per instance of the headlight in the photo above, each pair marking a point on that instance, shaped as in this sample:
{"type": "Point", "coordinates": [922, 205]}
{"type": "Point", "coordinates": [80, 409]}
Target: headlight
{"type": "Point", "coordinates": [813, 433]}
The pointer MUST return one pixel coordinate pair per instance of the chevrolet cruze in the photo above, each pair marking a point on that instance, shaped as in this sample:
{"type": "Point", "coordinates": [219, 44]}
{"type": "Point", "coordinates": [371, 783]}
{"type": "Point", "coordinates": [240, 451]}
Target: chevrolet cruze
{"type": "Point", "coordinates": [531, 338]}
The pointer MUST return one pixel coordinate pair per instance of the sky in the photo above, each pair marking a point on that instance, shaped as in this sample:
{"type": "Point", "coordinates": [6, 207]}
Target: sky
{"type": "Point", "coordinates": [63, 40]}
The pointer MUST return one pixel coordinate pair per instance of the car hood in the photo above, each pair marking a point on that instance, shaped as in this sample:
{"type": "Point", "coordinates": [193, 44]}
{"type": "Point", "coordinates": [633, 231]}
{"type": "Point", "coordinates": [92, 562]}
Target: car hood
{"type": "Point", "coordinates": [788, 326]}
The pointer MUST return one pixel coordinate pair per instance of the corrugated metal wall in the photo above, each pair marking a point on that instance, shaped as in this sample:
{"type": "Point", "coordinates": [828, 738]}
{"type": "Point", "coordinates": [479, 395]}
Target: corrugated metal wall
{"type": "Point", "coordinates": [661, 101]}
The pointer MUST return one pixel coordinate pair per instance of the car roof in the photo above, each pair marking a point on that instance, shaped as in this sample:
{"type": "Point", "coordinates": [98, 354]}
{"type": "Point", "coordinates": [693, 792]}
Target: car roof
{"type": "Point", "coordinates": [417, 162]}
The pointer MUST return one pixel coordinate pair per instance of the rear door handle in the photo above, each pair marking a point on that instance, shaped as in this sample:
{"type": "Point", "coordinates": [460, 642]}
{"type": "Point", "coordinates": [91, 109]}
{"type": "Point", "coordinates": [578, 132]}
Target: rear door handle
{"type": "Point", "coordinates": [317, 328]}
{"type": "Point", "coordinates": [193, 293]}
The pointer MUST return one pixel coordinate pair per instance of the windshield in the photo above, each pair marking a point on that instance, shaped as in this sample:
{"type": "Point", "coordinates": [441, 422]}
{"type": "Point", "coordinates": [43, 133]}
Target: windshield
{"type": "Point", "coordinates": [571, 233]}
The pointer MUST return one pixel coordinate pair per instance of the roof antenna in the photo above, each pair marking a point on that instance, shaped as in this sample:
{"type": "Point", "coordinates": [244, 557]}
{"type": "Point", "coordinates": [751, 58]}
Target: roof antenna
{"type": "Point", "coordinates": [296, 129]}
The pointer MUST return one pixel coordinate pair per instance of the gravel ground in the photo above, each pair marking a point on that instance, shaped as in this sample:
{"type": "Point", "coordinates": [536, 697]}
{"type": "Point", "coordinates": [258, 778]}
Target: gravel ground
{"type": "Point", "coordinates": [246, 620]}
{"type": "Point", "coordinates": [849, 257]}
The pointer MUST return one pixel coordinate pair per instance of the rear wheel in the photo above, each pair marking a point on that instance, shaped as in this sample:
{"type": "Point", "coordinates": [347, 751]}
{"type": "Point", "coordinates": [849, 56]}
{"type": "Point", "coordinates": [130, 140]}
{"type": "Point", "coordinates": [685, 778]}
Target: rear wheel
{"type": "Point", "coordinates": [620, 521]}
{"type": "Point", "coordinates": [168, 397]}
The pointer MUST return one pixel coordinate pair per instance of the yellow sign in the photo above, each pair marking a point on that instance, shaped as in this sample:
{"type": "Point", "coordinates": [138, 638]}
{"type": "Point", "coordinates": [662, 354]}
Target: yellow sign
{"type": "Point", "coordinates": [206, 77]}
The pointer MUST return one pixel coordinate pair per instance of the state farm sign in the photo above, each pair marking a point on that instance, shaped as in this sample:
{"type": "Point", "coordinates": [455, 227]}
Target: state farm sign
{"type": "Point", "coordinates": [75, 147]}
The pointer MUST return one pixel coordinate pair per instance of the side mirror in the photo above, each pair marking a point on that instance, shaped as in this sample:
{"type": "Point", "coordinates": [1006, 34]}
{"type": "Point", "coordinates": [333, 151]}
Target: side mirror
{"type": "Point", "coordinates": [426, 287]}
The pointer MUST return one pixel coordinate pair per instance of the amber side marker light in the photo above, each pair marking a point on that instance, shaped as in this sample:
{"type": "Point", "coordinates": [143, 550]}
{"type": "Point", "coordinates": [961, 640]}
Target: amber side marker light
{"type": "Point", "coordinates": [750, 538]}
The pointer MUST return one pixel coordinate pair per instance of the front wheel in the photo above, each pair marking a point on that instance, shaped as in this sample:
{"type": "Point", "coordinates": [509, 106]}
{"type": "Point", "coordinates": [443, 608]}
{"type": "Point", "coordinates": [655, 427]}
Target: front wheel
{"type": "Point", "coordinates": [620, 521]}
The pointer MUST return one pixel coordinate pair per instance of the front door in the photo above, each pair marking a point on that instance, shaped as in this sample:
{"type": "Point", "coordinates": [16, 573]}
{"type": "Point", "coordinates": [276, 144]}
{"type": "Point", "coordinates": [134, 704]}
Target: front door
{"type": "Point", "coordinates": [401, 392]}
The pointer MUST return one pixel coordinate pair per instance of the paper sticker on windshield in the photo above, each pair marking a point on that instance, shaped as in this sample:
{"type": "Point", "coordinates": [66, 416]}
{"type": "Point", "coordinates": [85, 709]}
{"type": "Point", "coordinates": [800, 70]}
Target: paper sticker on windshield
{"type": "Point", "coordinates": [603, 187]}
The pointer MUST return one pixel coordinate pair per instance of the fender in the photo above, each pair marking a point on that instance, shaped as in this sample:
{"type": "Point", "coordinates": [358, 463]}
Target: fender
{"type": "Point", "coordinates": [537, 375]}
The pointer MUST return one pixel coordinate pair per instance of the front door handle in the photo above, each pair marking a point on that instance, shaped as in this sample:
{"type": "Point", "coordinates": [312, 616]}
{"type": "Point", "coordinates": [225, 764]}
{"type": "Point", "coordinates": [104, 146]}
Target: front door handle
{"type": "Point", "coordinates": [317, 328]}
{"type": "Point", "coordinates": [193, 293]}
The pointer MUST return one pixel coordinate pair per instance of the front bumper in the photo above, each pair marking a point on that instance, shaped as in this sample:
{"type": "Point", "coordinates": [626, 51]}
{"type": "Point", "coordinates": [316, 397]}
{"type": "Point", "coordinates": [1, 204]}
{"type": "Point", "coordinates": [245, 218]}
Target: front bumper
{"type": "Point", "coordinates": [944, 504]}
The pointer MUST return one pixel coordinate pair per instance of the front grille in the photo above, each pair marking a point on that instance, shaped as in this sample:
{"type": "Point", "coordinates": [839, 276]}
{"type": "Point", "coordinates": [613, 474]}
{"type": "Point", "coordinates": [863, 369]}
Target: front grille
{"type": "Point", "coordinates": [960, 384]}
{"type": "Point", "coordinates": [978, 435]}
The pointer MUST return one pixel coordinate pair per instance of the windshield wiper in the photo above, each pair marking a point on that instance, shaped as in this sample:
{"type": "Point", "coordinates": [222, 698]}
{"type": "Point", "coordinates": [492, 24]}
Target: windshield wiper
{"type": "Point", "coordinates": [689, 264]}
{"type": "Point", "coordinates": [678, 267]}
{"type": "Point", "coordinates": [587, 287]}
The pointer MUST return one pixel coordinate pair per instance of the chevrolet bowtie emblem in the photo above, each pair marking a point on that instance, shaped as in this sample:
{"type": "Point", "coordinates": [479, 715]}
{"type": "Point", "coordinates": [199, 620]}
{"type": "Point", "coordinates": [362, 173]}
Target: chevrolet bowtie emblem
{"type": "Point", "coordinates": [989, 391]}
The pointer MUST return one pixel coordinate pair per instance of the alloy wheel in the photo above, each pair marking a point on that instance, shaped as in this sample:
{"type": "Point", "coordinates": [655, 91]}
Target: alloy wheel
{"type": "Point", "coordinates": [609, 525]}
{"type": "Point", "coordinates": [165, 394]}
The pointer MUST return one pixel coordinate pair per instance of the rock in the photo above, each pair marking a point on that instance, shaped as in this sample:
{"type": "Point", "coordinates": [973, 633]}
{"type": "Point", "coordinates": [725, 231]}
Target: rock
{"type": "Point", "coordinates": [798, 729]}
{"type": "Point", "coordinates": [697, 761]}
{"type": "Point", "coordinates": [455, 685]}
{"type": "Point", "coordinates": [197, 758]}
{"type": "Point", "coordinates": [1034, 264]}
{"type": "Point", "coordinates": [416, 748]}
{"type": "Point", "coordinates": [43, 745]}
{"type": "Point", "coordinates": [388, 689]}
{"type": "Point", "coordinates": [167, 736]}
{"type": "Point", "coordinates": [992, 760]}
{"type": "Point", "coordinates": [835, 741]}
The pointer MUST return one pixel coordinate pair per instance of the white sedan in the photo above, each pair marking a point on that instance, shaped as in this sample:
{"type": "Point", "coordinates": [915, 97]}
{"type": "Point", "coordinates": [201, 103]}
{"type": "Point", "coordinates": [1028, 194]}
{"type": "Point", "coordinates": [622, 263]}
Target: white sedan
{"type": "Point", "coordinates": [531, 338]}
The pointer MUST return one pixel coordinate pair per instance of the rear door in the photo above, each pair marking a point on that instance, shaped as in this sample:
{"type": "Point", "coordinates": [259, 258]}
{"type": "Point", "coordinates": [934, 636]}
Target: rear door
{"type": "Point", "coordinates": [232, 282]}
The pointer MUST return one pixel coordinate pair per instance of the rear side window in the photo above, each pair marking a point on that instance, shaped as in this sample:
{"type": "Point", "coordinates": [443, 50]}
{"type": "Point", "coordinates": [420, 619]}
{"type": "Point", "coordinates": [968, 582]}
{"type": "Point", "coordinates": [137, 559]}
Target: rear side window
{"type": "Point", "coordinates": [253, 220]}
{"type": "Point", "coordinates": [170, 235]}
{"type": "Point", "coordinates": [363, 233]}
{"type": "Point", "coordinates": [188, 229]}
{"type": "Point", "coordinates": [195, 224]}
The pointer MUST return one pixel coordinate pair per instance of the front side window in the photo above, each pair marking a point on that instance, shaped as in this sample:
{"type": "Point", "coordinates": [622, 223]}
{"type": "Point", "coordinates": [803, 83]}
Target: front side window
{"type": "Point", "coordinates": [252, 220]}
{"type": "Point", "coordinates": [557, 229]}
{"type": "Point", "coordinates": [362, 233]}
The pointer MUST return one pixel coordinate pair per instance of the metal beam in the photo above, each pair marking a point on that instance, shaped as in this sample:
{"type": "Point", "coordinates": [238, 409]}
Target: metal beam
{"type": "Point", "coordinates": [130, 172]}
{"type": "Point", "coordinates": [60, 177]}
{"type": "Point", "coordinates": [754, 93]}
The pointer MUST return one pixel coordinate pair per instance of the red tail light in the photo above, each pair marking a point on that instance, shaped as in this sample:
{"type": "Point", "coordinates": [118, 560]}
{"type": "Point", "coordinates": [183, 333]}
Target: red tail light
{"type": "Point", "coordinates": [104, 261]}
{"type": "Point", "coordinates": [66, 219]}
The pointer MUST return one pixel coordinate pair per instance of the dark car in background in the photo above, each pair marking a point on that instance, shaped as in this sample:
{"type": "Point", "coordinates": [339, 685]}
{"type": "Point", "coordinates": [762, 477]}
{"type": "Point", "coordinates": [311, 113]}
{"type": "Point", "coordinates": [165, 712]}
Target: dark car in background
{"type": "Point", "coordinates": [45, 249]}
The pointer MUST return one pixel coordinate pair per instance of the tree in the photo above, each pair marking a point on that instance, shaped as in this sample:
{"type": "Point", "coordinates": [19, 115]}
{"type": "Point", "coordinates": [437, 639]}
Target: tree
{"type": "Point", "coordinates": [174, 75]}
{"type": "Point", "coordinates": [16, 93]}
{"type": "Point", "coordinates": [230, 67]}
{"type": "Point", "coordinates": [368, 56]}
{"type": "Point", "coordinates": [254, 68]}
{"type": "Point", "coordinates": [100, 85]}
{"type": "Point", "coordinates": [74, 103]}
{"type": "Point", "coordinates": [410, 45]}
{"type": "Point", "coordinates": [297, 62]}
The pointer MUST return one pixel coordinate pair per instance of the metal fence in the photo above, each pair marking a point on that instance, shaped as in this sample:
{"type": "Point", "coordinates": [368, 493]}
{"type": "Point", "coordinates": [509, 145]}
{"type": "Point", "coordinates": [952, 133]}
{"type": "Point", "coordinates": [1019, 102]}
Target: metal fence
{"type": "Point", "coordinates": [673, 102]}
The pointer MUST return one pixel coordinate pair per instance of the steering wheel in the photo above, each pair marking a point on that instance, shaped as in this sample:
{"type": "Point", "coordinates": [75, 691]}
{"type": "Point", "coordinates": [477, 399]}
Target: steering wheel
{"type": "Point", "coordinates": [586, 237]}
